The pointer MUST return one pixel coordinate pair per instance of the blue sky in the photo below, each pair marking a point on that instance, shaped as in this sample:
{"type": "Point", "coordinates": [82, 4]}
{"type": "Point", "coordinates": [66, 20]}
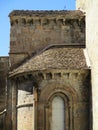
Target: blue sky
{"type": "Point", "coordinates": [6, 6]}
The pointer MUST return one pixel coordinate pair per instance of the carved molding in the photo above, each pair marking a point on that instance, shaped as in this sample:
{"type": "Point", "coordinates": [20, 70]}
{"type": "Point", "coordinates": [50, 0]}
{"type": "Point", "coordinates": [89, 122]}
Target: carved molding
{"type": "Point", "coordinates": [54, 74]}
{"type": "Point", "coordinates": [61, 21]}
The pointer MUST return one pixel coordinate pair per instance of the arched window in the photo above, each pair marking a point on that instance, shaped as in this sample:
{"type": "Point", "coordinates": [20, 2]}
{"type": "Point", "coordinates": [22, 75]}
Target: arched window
{"type": "Point", "coordinates": [58, 114]}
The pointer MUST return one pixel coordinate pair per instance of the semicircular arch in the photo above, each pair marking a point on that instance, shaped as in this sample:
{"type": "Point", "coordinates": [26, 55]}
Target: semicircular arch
{"type": "Point", "coordinates": [52, 88]}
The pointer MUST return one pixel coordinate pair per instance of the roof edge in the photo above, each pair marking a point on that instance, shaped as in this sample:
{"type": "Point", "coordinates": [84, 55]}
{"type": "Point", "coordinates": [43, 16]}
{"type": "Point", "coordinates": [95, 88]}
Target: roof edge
{"type": "Point", "coordinates": [45, 12]}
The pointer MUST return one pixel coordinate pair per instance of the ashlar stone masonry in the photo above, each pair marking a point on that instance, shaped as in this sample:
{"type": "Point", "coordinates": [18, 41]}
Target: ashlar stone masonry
{"type": "Point", "coordinates": [48, 82]}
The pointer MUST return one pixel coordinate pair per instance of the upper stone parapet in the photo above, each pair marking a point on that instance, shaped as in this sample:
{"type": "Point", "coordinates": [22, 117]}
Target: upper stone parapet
{"type": "Point", "coordinates": [42, 13]}
{"type": "Point", "coordinates": [25, 17]}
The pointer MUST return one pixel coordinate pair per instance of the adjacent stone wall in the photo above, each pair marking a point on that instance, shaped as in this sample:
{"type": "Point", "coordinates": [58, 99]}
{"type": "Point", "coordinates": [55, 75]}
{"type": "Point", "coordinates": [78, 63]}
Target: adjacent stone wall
{"type": "Point", "coordinates": [33, 31]}
{"type": "Point", "coordinates": [25, 111]}
{"type": "Point", "coordinates": [4, 67]}
{"type": "Point", "coordinates": [92, 48]}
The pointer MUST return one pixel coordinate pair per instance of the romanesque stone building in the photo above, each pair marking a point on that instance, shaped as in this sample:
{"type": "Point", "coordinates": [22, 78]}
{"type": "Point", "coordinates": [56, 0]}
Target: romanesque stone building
{"type": "Point", "coordinates": [46, 80]}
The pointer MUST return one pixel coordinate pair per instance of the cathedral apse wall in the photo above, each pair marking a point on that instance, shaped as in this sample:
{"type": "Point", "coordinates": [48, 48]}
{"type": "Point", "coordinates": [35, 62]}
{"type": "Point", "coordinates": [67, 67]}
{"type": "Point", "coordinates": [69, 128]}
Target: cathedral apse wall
{"type": "Point", "coordinates": [35, 94]}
